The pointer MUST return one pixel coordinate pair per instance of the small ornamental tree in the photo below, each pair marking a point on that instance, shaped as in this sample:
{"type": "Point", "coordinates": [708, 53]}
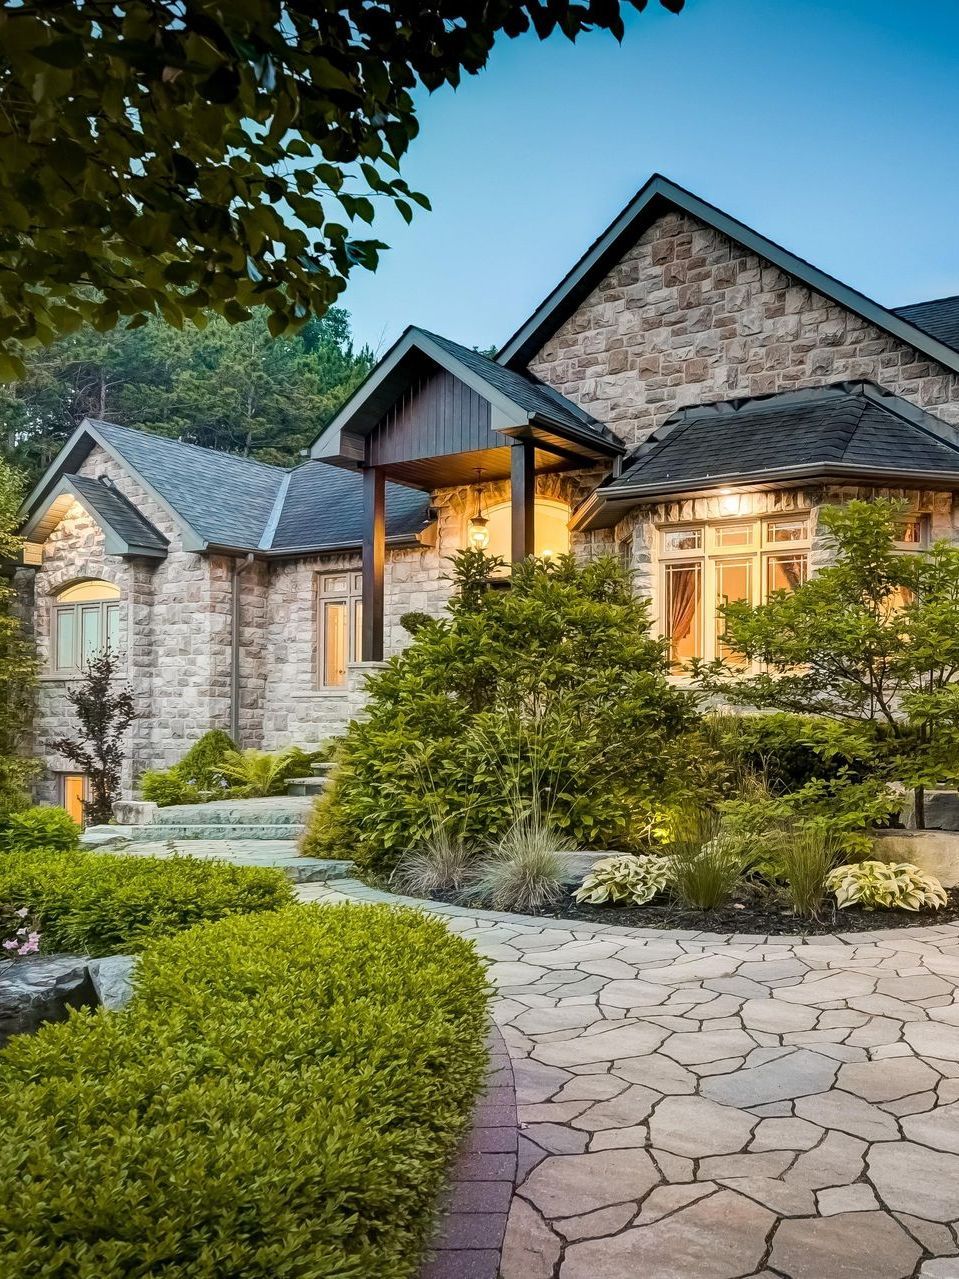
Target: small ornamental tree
{"type": "Point", "coordinates": [551, 688]}
{"type": "Point", "coordinates": [871, 641]}
{"type": "Point", "coordinates": [105, 712]}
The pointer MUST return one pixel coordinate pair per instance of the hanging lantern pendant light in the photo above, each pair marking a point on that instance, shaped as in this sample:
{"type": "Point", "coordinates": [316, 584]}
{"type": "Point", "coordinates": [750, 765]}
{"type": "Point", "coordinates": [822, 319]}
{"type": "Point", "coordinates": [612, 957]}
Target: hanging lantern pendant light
{"type": "Point", "coordinates": [477, 530]}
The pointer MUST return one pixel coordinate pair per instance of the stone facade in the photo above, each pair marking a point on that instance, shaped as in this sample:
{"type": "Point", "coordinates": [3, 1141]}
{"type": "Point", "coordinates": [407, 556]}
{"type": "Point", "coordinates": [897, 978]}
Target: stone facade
{"type": "Point", "coordinates": [686, 317]}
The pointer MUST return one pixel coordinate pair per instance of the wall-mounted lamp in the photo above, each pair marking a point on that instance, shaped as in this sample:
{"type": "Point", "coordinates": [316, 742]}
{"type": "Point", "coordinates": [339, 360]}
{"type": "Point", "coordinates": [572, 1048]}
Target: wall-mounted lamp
{"type": "Point", "coordinates": [730, 503]}
{"type": "Point", "coordinates": [477, 531]}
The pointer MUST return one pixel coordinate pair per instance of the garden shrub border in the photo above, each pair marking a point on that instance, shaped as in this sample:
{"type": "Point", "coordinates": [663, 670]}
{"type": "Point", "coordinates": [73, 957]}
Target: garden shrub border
{"type": "Point", "coordinates": [281, 1099]}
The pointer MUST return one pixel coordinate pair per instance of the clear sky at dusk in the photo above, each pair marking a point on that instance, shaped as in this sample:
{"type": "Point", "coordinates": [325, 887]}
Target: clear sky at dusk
{"type": "Point", "coordinates": [831, 126]}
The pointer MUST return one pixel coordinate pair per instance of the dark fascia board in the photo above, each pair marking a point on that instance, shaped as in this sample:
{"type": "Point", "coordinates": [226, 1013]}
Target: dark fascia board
{"type": "Point", "coordinates": [300, 552]}
{"type": "Point", "coordinates": [650, 202]}
{"type": "Point", "coordinates": [366, 405]}
{"type": "Point", "coordinates": [78, 447]}
{"type": "Point", "coordinates": [603, 508]}
{"type": "Point", "coordinates": [114, 542]}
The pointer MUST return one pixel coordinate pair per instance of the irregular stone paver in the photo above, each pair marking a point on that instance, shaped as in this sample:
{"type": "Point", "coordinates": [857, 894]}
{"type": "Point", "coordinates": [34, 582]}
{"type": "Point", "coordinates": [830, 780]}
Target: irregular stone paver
{"type": "Point", "coordinates": [724, 1108]}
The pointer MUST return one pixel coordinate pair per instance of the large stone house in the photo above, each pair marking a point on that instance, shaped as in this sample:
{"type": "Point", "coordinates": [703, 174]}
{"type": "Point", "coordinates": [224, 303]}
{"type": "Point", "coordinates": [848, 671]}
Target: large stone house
{"type": "Point", "coordinates": [688, 397]}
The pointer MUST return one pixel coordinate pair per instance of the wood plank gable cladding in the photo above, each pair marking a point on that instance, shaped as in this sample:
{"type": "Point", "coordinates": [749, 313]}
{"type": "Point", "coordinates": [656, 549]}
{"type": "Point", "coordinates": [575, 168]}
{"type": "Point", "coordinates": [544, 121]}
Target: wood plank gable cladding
{"type": "Point", "coordinates": [438, 416]}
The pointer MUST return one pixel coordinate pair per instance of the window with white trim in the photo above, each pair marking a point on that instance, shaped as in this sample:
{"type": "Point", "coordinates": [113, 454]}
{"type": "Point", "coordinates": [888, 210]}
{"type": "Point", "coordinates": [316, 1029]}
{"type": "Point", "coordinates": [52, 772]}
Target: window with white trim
{"type": "Point", "coordinates": [706, 565]}
{"type": "Point", "coordinates": [85, 621]}
{"type": "Point", "coordinates": [339, 614]}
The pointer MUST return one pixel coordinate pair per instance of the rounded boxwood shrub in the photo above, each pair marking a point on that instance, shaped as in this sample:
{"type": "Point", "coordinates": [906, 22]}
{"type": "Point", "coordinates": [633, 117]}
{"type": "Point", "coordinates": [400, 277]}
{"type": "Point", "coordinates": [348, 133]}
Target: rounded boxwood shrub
{"type": "Point", "coordinates": [39, 828]}
{"type": "Point", "coordinates": [98, 904]}
{"type": "Point", "coordinates": [279, 1101]}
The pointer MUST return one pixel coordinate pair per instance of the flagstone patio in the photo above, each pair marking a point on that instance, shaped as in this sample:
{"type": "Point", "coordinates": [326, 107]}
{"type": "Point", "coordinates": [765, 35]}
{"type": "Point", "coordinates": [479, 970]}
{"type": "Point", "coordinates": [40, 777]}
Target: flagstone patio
{"type": "Point", "coordinates": [696, 1107]}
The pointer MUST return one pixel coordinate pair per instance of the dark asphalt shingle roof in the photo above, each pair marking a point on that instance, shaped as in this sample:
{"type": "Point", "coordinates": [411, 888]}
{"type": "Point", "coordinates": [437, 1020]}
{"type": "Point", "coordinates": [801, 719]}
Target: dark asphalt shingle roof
{"type": "Point", "coordinates": [522, 388]}
{"type": "Point", "coordinates": [738, 438]}
{"type": "Point", "coordinates": [235, 501]}
{"type": "Point", "coordinates": [939, 318]}
{"type": "Point", "coordinates": [225, 498]}
{"type": "Point", "coordinates": [323, 505]}
{"type": "Point", "coordinates": [120, 513]}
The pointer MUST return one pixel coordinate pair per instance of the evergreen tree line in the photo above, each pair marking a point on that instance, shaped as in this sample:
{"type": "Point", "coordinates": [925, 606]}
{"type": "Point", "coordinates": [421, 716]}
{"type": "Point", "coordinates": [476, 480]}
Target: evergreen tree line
{"type": "Point", "coordinates": [230, 387]}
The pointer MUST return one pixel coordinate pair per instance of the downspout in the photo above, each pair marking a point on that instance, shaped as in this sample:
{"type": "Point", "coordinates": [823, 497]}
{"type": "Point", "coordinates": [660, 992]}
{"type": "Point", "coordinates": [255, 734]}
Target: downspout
{"type": "Point", "coordinates": [239, 566]}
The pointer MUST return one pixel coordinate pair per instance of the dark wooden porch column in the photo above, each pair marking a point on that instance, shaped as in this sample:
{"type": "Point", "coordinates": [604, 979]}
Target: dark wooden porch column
{"type": "Point", "coordinates": [522, 496]}
{"type": "Point", "coordinates": [374, 554]}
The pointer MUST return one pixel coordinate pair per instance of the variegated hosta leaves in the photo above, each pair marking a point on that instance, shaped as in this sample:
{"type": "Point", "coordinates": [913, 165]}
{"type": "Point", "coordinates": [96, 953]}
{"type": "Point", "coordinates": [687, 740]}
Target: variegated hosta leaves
{"type": "Point", "coordinates": [624, 880]}
{"type": "Point", "coordinates": [891, 885]}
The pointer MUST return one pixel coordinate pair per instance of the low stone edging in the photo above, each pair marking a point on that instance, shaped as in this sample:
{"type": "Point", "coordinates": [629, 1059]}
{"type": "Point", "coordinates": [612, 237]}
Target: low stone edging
{"type": "Point", "coordinates": [471, 1226]}
{"type": "Point", "coordinates": [358, 891]}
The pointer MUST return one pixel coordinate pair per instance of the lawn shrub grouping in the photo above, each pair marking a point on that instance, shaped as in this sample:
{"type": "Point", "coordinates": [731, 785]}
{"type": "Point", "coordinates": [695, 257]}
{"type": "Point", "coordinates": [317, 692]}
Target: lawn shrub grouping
{"type": "Point", "coordinates": [214, 768]}
{"type": "Point", "coordinates": [96, 904]}
{"type": "Point", "coordinates": [279, 1101]}
{"type": "Point", "coordinates": [34, 828]}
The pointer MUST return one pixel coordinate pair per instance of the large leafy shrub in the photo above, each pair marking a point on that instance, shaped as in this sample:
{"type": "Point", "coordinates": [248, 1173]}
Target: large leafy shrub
{"type": "Point", "coordinates": [566, 648]}
{"type": "Point", "coordinates": [281, 1098]}
{"type": "Point", "coordinates": [98, 904]}
{"type": "Point", "coordinates": [35, 828]}
{"type": "Point", "coordinates": [195, 778]}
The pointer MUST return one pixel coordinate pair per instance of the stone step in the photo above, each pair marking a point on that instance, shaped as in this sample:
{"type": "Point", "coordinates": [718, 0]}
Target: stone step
{"type": "Point", "coordinates": [323, 767]}
{"type": "Point", "coordinates": [307, 785]}
{"type": "Point", "coordinates": [278, 810]}
{"type": "Point", "coordinates": [281, 853]}
{"type": "Point", "coordinates": [219, 831]}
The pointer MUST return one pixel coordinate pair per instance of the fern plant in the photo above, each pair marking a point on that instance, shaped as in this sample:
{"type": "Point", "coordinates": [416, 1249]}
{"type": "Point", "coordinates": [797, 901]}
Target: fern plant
{"type": "Point", "coordinates": [256, 774]}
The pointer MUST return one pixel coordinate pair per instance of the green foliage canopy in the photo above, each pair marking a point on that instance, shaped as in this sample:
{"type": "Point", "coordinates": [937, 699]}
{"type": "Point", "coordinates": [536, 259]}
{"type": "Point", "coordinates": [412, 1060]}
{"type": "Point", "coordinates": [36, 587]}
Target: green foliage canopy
{"type": "Point", "coordinates": [223, 387]}
{"type": "Point", "coordinates": [161, 158]}
{"type": "Point", "coordinates": [18, 657]}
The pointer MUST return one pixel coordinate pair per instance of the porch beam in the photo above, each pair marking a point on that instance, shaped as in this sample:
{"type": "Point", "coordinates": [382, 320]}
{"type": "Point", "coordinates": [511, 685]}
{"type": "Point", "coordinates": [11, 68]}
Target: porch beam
{"type": "Point", "coordinates": [374, 556]}
{"type": "Point", "coordinates": [522, 498]}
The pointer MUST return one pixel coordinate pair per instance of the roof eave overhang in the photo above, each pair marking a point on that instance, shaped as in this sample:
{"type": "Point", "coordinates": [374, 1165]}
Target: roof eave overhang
{"type": "Point", "coordinates": [604, 508]}
{"type": "Point", "coordinates": [114, 541]}
{"type": "Point", "coordinates": [658, 195]}
{"type": "Point", "coordinates": [297, 552]}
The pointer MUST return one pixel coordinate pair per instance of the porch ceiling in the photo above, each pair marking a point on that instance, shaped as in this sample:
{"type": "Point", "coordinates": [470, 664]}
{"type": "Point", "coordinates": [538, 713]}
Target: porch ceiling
{"type": "Point", "coordinates": [458, 469]}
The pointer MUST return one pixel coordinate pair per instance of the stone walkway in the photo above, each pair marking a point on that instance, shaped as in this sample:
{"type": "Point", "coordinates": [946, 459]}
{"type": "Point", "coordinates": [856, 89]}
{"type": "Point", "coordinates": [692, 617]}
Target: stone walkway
{"type": "Point", "coordinates": [694, 1107]}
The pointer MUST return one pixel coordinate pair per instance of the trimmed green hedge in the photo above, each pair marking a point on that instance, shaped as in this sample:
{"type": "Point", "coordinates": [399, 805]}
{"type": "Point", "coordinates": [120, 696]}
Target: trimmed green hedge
{"type": "Point", "coordinates": [279, 1101]}
{"type": "Point", "coordinates": [98, 904]}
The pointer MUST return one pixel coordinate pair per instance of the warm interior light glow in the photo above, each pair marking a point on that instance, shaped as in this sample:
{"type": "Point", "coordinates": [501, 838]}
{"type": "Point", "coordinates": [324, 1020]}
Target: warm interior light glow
{"type": "Point", "coordinates": [478, 533]}
{"type": "Point", "coordinates": [551, 524]}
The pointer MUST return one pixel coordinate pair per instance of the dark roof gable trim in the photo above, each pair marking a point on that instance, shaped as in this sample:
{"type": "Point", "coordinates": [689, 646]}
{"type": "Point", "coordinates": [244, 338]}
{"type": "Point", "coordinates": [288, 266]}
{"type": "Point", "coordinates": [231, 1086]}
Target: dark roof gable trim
{"type": "Point", "coordinates": [126, 530]}
{"type": "Point", "coordinates": [657, 196]}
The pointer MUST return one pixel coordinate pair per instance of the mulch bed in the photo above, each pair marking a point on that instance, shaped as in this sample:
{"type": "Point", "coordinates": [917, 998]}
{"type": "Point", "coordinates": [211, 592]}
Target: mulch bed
{"type": "Point", "coordinates": [754, 910]}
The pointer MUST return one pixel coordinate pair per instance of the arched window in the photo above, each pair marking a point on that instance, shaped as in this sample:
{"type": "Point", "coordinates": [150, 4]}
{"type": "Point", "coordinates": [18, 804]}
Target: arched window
{"type": "Point", "coordinates": [551, 528]}
{"type": "Point", "coordinates": [86, 620]}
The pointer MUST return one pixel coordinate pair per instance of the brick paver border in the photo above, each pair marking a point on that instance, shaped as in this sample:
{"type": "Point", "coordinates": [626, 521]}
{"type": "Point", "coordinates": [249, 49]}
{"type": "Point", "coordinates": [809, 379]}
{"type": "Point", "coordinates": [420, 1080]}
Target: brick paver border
{"type": "Point", "coordinates": [468, 1241]}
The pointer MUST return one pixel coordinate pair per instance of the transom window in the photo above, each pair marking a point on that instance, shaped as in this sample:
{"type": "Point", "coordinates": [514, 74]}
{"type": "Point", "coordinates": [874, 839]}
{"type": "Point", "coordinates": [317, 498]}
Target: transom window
{"type": "Point", "coordinates": [550, 529]}
{"type": "Point", "coordinates": [339, 625]}
{"type": "Point", "coordinates": [704, 566]}
{"type": "Point", "coordinates": [86, 621]}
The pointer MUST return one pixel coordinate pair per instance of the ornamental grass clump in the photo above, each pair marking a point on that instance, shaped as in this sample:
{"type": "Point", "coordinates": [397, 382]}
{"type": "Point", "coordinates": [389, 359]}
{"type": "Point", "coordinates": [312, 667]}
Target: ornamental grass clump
{"type": "Point", "coordinates": [889, 885]}
{"type": "Point", "coordinates": [626, 880]}
{"type": "Point", "coordinates": [281, 1098]}
{"type": "Point", "coordinates": [98, 904]}
{"type": "Point", "coordinates": [443, 863]}
{"type": "Point", "coordinates": [524, 872]}
{"type": "Point", "coordinates": [805, 854]}
{"type": "Point", "coordinates": [704, 865]}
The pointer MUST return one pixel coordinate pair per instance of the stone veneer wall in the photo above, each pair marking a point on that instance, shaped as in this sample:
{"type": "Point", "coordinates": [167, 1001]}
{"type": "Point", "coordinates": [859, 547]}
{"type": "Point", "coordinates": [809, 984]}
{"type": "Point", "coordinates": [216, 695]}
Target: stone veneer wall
{"type": "Point", "coordinates": [174, 631]}
{"type": "Point", "coordinates": [688, 316]}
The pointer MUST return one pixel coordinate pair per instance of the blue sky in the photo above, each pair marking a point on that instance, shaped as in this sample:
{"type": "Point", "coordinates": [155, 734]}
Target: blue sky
{"type": "Point", "coordinates": [828, 125]}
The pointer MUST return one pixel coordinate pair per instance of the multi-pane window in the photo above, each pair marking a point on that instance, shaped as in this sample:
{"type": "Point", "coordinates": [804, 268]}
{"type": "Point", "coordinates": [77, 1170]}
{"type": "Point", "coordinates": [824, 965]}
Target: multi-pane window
{"type": "Point", "coordinates": [339, 625]}
{"type": "Point", "coordinates": [705, 566]}
{"type": "Point", "coordinates": [85, 622]}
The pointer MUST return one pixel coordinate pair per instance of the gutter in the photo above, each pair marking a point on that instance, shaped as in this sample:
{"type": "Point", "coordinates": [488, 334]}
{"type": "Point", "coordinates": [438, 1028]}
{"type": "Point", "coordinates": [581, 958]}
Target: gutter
{"type": "Point", "coordinates": [239, 567]}
{"type": "Point", "coordinates": [636, 494]}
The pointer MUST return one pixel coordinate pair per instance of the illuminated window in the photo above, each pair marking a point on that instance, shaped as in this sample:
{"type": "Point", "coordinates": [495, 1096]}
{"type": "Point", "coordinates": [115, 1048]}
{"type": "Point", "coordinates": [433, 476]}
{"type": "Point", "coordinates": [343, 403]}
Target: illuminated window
{"type": "Point", "coordinates": [86, 622]}
{"type": "Point", "coordinates": [339, 625]}
{"type": "Point", "coordinates": [705, 566]}
{"type": "Point", "coordinates": [551, 529]}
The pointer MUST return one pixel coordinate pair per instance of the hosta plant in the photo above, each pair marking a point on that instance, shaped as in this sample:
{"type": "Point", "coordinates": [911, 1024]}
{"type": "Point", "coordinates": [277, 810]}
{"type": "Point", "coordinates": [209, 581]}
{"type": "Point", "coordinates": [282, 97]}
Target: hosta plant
{"type": "Point", "coordinates": [624, 880]}
{"type": "Point", "coordinates": [890, 885]}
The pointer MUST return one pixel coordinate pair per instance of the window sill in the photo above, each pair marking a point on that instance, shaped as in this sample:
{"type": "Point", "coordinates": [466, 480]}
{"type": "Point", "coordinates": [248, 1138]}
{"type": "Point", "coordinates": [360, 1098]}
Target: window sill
{"type": "Point", "coordinates": [321, 694]}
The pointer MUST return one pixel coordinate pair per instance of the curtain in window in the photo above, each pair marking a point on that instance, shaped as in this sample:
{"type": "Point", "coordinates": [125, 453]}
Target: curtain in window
{"type": "Point", "coordinates": [682, 607]}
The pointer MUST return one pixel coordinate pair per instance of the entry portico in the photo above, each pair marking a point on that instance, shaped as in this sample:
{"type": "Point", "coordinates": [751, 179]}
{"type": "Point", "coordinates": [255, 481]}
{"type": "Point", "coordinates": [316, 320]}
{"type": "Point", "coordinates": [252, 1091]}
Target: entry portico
{"type": "Point", "coordinates": [433, 415]}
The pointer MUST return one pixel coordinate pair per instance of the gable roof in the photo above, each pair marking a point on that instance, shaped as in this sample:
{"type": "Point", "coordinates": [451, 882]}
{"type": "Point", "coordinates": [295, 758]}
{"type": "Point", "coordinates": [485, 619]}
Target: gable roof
{"type": "Point", "coordinates": [127, 530]}
{"type": "Point", "coordinates": [939, 317]}
{"type": "Point", "coordinates": [219, 500]}
{"type": "Point", "coordinates": [657, 197]}
{"type": "Point", "coordinates": [517, 398]}
{"type": "Point", "coordinates": [851, 430]}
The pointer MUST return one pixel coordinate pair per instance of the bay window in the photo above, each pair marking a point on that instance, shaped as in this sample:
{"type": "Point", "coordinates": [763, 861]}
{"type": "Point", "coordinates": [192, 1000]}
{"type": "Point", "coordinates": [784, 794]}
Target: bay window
{"type": "Point", "coordinates": [707, 565]}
